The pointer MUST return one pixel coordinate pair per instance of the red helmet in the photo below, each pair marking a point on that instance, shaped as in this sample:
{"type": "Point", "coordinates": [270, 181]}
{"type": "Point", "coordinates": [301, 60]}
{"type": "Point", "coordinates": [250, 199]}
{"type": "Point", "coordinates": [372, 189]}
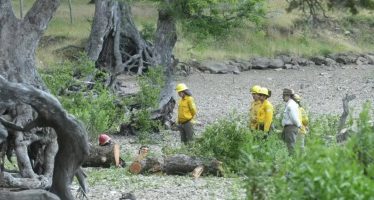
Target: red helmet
{"type": "Point", "coordinates": [103, 139]}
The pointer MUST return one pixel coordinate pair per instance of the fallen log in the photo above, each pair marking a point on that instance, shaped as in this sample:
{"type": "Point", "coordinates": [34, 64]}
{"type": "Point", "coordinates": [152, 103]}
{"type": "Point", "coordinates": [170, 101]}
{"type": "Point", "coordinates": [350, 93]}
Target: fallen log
{"type": "Point", "coordinates": [148, 165]}
{"type": "Point", "coordinates": [104, 156]}
{"type": "Point", "coordinates": [182, 164]}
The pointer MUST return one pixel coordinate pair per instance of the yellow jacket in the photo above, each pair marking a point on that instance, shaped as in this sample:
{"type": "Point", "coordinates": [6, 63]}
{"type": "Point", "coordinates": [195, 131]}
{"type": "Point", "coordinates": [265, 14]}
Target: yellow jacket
{"type": "Point", "coordinates": [265, 115]}
{"type": "Point", "coordinates": [186, 109]}
{"type": "Point", "coordinates": [303, 116]}
{"type": "Point", "coordinates": [253, 110]}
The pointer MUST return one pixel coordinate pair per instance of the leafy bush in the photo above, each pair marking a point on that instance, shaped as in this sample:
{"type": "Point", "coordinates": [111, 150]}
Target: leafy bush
{"type": "Point", "coordinates": [148, 31]}
{"type": "Point", "coordinates": [224, 140]}
{"type": "Point", "coordinates": [97, 107]}
{"type": "Point", "coordinates": [151, 84]}
{"type": "Point", "coordinates": [322, 172]}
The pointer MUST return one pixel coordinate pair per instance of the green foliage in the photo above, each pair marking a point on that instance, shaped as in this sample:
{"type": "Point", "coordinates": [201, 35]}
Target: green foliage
{"type": "Point", "coordinates": [264, 160]}
{"type": "Point", "coordinates": [224, 140]}
{"type": "Point", "coordinates": [202, 19]}
{"type": "Point", "coordinates": [321, 172]}
{"type": "Point", "coordinates": [326, 125]}
{"type": "Point", "coordinates": [363, 142]}
{"type": "Point", "coordinates": [148, 31]}
{"type": "Point", "coordinates": [318, 7]}
{"type": "Point", "coordinates": [95, 105]}
{"type": "Point", "coordinates": [151, 84]}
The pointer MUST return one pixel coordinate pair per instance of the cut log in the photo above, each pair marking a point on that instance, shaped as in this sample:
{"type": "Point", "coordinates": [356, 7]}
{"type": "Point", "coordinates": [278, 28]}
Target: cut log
{"type": "Point", "coordinates": [143, 165]}
{"type": "Point", "coordinates": [182, 164]}
{"type": "Point", "coordinates": [148, 165]}
{"type": "Point", "coordinates": [103, 156]}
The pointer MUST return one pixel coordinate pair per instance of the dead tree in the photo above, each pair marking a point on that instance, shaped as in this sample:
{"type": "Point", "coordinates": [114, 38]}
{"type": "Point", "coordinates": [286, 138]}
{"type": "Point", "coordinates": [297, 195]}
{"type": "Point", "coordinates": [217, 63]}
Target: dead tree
{"type": "Point", "coordinates": [117, 46]}
{"type": "Point", "coordinates": [31, 139]}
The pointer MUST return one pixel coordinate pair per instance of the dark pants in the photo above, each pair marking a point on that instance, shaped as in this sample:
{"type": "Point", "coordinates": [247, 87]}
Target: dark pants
{"type": "Point", "coordinates": [289, 137]}
{"type": "Point", "coordinates": [186, 131]}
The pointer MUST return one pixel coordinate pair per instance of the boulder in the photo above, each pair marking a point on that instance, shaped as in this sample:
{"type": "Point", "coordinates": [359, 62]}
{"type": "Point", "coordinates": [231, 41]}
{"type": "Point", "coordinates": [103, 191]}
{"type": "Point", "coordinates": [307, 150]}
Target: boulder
{"type": "Point", "coordinates": [370, 59]}
{"type": "Point", "coordinates": [319, 60]}
{"type": "Point", "coordinates": [260, 63]}
{"type": "Point", "coordinates": [330, 62]}
{"type": "Point", "coordinates": [276, 63]}
{"type": "Point", "coordinates": [216, 67]}
{"type": "Point", "coordinates": [344, 58]}
{"type": "Point", "coordinates": [362, 61]}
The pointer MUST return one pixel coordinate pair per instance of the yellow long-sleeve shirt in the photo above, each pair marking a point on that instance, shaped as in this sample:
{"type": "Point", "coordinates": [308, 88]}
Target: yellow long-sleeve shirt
{"type": "Point", "coordinates": [186, 109]}
{"type": "Point", "coordinates": [253, 110]}
{"type": "Point", "coordinates": [303, 116]}
{"type": "Point", "coordinates": [265, 115]}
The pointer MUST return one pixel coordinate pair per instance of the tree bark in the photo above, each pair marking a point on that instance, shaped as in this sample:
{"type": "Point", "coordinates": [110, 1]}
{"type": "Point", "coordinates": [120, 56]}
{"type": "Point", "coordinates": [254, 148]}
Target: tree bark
{"type": "Point", "coordinates": [182, 164]}
{"type": "Point", "coordinates": [115, 43]}
{"type": "Point", "coordinates": [166, 37]}
{"type": "Point", "coordinates": [19, 39]}
{"type": "Point", "coordinates": [101, 156]}
{"type": "Point", "coordinates": [147, 165]}
{"type": "Point", "coordinates": [27, 195]}
{"type": "Point", "coordinates": [71, 135]}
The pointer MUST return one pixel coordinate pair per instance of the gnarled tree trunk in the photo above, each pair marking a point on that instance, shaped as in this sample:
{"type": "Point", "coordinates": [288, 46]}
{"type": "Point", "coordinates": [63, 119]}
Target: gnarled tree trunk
{"type": "Point", "coordinates": [19, 39]}
{"type": "Point", "coordinates": [116, 45]}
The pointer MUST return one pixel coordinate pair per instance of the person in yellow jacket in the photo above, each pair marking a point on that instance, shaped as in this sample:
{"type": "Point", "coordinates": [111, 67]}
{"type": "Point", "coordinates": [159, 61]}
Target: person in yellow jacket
{"type": "Point", "coordinates": [303, 116]}
{"type": "Point", "coordinates": [255, 106]}
{"type": "Point", "coordinates": [186, 113]}
{"type": "Point", "coordinates": [265, 112]}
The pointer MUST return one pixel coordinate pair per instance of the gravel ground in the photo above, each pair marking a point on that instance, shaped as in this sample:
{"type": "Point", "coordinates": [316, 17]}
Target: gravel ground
{"type": "Point", "coordinates": [322, 89]}
{"type": "Point", "coordinates": [216, 95]}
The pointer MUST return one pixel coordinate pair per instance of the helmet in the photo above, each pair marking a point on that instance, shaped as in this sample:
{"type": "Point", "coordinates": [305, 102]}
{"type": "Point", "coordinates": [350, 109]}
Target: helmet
{"type": "Point", "coordinates": [288, 91]}
{"type": "Point", "coordinates": [255, 89]}
{"type": "Point", "coordinates": [297, 97]}
{"type": "Point", "coordinates": [104, 139]}
{"type": "Point", "coordinates": [264, 91]}
{"type": "Point", "coordinates": [181, 87]}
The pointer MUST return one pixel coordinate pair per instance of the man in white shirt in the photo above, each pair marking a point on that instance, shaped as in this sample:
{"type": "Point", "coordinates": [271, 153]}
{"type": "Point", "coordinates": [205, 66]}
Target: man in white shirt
{"type": "Point", "coordinates": [291, 120]}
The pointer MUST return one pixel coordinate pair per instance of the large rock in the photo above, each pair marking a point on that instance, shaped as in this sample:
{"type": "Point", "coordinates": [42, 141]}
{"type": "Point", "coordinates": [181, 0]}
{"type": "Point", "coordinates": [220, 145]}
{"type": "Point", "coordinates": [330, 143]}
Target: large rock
{"type": "Point", "coordinates": [344, 58]}
{"type": "Point", "coordinates": [362, 61]}
{"type": "Point", "coordinates": [319, 60]}
{"type": "Point", "coordinates": [243, 65]}
{"type": "Point", "coordinates": [218, 67]}
{"type": "Point", "coordinates": [370, 59]}
{"type": "Point", "coordinates": [260, 63]}
{"type": "Point", "coordinates": [276, 63]}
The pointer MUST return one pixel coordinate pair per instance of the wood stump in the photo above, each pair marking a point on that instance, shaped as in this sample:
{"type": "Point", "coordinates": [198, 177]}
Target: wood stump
{"type": "Point", "coordinates": [103, 156]}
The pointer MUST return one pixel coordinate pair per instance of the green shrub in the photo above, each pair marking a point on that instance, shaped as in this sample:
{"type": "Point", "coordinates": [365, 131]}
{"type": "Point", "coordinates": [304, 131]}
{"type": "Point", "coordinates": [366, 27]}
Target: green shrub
{"type": "Point", "coordinates": [327, 173]}
{"type": "Point", "coordinates": [96, 107]}
{"type": "Point", "coordinates": [224, 140]}
{"type": "Point", "coordinates": [322, 172]}
{"type": "Point", "coordinates": [148, 31]}
{"type": "Point", "coordinates": [151, 84]}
